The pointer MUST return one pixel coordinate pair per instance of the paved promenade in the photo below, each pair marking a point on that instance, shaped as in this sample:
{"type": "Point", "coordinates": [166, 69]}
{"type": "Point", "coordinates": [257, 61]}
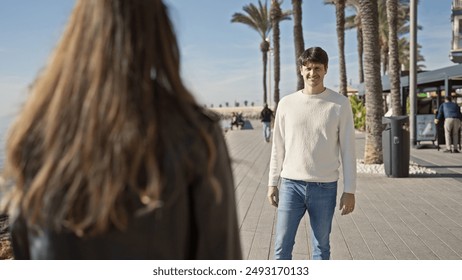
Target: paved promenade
{"type": "Point", "coordinates": [415, 218]}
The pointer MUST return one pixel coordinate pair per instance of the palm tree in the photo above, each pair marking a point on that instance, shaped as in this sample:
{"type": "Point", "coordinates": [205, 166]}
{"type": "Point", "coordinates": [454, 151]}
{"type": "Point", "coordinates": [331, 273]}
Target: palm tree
{"type": "Point", "coordinates": [277, 15]}
{"type": "Point", "coordinates": [373, 83]}
{"type": "Point", "coordinates": [354, 21]}
{"type": "Point", "coordinates": [394, 67]}
{"type": "Point", "coordinates": [351, 22]}
{"type": "Point", "coordinates": [258, 19]}
{"type": "Point", "coordinates": [340, 15]}
{"type": "Point", "coordinates": [402, 29]}
{"type": "Point", "coordinates": [404, 54]}
{"type": "Point", "coordinates": [299, 43]}
{"type": "Point", "coordinates": [383, 35]}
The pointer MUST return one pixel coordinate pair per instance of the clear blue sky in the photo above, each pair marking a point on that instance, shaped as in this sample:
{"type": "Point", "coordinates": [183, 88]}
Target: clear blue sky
{"type": "Point", "coordinates": [221, 61]}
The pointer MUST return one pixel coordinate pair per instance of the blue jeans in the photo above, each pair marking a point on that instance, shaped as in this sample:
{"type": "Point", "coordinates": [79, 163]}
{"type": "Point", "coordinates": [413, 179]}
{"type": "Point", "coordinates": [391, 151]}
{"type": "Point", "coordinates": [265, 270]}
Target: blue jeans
{"type": "Point", "coordinates": [267, 131]}
{"type": "Point", "coordinates": [295, 198]}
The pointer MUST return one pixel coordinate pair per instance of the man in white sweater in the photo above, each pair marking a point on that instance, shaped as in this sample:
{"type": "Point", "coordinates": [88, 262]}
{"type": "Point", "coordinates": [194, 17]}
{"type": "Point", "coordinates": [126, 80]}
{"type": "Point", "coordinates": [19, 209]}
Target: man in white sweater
{"type": "Point", "coordinates": [313, 133]}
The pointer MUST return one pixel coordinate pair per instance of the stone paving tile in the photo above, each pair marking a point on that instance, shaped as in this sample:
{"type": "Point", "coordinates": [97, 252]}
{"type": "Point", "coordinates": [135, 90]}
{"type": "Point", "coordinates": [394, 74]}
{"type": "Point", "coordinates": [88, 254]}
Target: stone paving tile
{"type": "Point", "coordinates": [395, 218]}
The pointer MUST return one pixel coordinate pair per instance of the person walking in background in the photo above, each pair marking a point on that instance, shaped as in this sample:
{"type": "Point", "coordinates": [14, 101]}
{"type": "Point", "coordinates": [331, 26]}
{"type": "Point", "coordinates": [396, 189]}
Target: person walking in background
{"type": "Point", "coordinates": [266, 117]}
{"type": "Point", "coordinates": [234, 120]}
{"type": "Point", "coordinates": [237, 120]}
{"type": "Point", "coordinates": [111, 156]}
{"type": "Point", "coordinates": [450, 113]}
{"type": "Point", "coordinates": [313, 133]}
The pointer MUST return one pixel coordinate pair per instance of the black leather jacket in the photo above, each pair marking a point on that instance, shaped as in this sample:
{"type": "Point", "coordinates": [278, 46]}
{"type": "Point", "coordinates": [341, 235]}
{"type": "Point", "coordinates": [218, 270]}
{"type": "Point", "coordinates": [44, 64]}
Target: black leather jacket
{"type": "Point", "coordinates": [191, 226]}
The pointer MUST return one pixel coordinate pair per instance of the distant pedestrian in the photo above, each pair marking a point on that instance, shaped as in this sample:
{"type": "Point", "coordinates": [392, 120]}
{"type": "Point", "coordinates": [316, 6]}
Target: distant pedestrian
{"type": "Point", "coordinates": [234, 120]}
{"type": "Point", "coordinates": [237, 120]}
{"type": "Point", "coordinates": [313, 135]}
{"type": "Point", "coordinates": [266, 116]}
{"type": "Point", "coordinates": [450, 113]}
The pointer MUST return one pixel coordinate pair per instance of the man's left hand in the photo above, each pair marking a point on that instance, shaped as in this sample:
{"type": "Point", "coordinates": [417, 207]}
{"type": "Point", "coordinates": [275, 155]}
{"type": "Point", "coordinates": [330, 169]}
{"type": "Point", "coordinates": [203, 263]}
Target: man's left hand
{"type": "Point", "coordinates": [347, 203]}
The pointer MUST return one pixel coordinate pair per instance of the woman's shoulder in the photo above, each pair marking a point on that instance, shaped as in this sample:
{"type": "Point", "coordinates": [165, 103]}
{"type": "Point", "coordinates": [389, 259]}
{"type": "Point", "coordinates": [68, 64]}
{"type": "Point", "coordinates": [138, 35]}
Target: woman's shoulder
{"type": "Point", "coordinates": [207, 118]}
{"type": "Point", "coordinates": [208, 115]}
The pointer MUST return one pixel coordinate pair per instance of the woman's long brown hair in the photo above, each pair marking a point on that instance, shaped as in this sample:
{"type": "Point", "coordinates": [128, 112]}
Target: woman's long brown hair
{"type": "Point", "coordinates": [93, 121]}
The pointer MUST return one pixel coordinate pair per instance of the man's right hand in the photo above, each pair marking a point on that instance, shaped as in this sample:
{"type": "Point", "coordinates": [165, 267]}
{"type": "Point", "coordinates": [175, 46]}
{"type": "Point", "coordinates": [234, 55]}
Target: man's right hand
{"type": "Point", "coordinates": [273, 195]}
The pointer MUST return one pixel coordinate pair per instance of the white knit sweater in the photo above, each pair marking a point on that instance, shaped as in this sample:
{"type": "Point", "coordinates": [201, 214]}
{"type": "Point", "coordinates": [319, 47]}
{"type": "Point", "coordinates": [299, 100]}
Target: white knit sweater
{"type": "Point", "coordinates": [312, 134]}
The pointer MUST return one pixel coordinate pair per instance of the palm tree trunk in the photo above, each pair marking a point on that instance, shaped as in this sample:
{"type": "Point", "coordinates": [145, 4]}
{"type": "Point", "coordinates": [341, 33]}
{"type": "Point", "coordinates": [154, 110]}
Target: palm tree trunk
{"type": "Point", "coordinates": [298, 38]}
{"type": "Point", "coordinates": [277, 64]}
{"type": "Point", "coordinates": [340, 14]}
{"type": "Point", "coordinates": [384, 59]}
{"type": "Point", "coordinates": [394, 67]}
{"type": "Point", "coordinates": [275, 18]}
{"type": "Point", "coordinates": [373, 83]}
{"type": "Point", "coordinates": [265, 63]}
{"type": "Point", "coordinates": [264, 47]}
{"type": "Point", "coordinates": [359, 37]}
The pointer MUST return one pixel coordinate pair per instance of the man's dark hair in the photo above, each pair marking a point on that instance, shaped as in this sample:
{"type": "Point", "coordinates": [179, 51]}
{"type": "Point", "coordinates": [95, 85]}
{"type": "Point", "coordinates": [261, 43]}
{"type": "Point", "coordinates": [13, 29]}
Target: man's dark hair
{"type": "Point", "coordinates": [448, 98]}
{"type": "Point", "coordinates": [313, 55]}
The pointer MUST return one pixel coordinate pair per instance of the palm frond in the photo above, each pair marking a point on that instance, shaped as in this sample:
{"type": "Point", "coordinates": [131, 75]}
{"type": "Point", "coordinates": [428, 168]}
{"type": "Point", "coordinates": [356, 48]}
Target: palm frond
{"type": "Point", "coordinates": [255, 17]}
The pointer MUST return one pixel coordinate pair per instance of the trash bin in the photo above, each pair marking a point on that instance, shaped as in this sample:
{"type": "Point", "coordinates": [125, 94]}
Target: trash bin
{"type": "Point", "coordinates": [396, 146]}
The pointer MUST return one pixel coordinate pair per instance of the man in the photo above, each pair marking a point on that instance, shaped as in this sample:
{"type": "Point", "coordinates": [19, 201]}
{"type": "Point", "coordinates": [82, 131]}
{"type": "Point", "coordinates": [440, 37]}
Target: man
{"type": "Point", "coordinates": [266, 116]}
{"type": "Point", "coordinates": [313, 128]}
{"type": "Point", "coordinates": [450, 112]}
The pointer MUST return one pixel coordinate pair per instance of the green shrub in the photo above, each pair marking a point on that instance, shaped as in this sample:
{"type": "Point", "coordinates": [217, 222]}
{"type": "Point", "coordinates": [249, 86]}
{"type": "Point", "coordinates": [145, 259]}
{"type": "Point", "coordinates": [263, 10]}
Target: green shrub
{"type": "Point", "coordinates": [359, 113]}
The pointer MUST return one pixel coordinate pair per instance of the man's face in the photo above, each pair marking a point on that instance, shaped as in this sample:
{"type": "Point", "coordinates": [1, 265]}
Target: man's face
{"type": "Point", "coordinates": [313, 74]}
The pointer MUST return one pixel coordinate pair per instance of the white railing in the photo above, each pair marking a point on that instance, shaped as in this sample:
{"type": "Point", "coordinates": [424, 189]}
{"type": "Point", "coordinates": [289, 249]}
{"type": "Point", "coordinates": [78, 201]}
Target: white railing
{"type": "Point", "coordinates": [457, 43]}
{"type": "Point", "coordinates": [456, 4]}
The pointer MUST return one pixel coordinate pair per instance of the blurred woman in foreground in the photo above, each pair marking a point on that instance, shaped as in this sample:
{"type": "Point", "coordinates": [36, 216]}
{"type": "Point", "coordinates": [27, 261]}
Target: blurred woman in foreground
{"type": "Point", "coordinates": [111, 156]}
